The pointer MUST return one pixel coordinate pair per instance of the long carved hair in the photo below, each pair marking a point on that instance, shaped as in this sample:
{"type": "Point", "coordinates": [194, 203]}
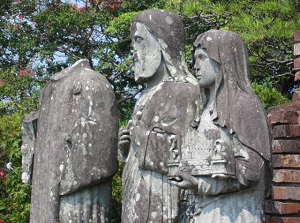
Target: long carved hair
{"type": "Point", "coordinates": [236, 105]}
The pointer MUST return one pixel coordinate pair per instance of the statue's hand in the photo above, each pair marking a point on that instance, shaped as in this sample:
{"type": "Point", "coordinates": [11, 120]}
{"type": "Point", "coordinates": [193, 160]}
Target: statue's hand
{"type": "Point", "coordinates": [185, 181]}
{"type": "Point", "coordinates": [124, 141]}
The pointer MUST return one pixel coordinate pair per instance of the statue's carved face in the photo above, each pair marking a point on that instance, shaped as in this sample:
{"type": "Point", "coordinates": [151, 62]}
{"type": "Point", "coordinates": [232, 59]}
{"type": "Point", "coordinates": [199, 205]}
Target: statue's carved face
{"type": "Point", "coordinates": [147, 53]}
{"type": "Point", "coordinates": [206, 68]}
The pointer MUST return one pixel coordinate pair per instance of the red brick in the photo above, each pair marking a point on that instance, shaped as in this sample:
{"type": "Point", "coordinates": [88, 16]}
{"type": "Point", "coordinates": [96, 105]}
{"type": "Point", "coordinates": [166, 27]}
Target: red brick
{"type": "Point", "coordinates": [283, 208]}
{"type": "Point", "coordinates": [297, 64]}
{"type": "Point", "coordinates": [297, 49]}
{"type": "Point", "coordinates": [286, 161]}
{"type": "Point", "coordinates": [286, 193]}
{"type": "Point", "coordinates": [268, 218]}
{"type": "Point", "coordinates": [297, 76]}
{"type": "Point", "coordinates": [296, 95]}
{"type": "Point", "coordinates": [286, 176]}
{"type": "Point", "coordinates": [275, 219]}
{"type": "Point", "coordinates": [297, 36]}
{"type": "Point", "coordinates": [285, 131]}
{"type": "Point", "coordinates": [284, 114]}
{"type": "Point", "coordinates": [286, 146]}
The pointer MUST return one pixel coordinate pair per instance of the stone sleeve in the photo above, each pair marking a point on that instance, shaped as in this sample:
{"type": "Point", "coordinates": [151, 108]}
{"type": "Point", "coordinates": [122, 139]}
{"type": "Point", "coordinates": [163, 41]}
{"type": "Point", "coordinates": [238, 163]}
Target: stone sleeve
{"type": "Point", "coordinates": [248, 168]}
{"type": "Point", "coordinates": [29, 123]}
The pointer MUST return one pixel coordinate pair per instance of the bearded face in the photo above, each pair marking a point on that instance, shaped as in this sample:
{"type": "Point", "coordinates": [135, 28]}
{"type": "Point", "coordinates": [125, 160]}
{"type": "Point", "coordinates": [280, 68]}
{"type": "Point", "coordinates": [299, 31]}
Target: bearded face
{"type": "Point", "coordinates": [147, 53]}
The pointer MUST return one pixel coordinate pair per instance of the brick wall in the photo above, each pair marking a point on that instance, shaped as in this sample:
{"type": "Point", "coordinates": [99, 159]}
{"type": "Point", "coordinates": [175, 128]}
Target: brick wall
{"type": "Point", "coordinates": [283, 203]}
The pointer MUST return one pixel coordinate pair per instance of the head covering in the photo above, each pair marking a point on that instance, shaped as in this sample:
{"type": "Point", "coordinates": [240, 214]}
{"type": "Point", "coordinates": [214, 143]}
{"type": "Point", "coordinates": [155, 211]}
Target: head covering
{"type": "Point", "coordinates": [166, 26]}
{"type": "Point", "coordinates": [237, 106]}
{"type": "Point", "coordinates": [170, 31]}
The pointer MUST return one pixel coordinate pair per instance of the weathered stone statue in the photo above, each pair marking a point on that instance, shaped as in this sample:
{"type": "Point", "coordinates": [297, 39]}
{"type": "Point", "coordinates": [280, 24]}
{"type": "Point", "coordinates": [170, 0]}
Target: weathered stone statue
{"type": "Point", "coordinates": [73, 140]}
{"type": "Point", "coordinates": [166, 109]}
{"type": "Point", "coordinates": [225, 162]}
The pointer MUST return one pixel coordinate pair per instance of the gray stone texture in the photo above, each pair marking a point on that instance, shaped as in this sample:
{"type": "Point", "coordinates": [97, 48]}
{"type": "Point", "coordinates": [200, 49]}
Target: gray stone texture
{"type": "Point", "coordinates": [75, 150]}
{"type": "Point", "coordinates": [168, 106]}
{"type": "Point", "coordinates": [166, 112]}
{"type": "Point", "coordinates": [237, 106]}
{"type": "Point", "coordinates": [29, 125]}
{"type": "Point", "coordinates": [224, 163]}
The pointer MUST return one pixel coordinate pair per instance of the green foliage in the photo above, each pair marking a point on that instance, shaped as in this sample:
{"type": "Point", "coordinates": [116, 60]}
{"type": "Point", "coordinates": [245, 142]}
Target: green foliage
{"type": "Point", "coordinates": [263, 19]}
{"type": "Point", "coordinates": [117, 195]}
{"type": "Point", "coordinates": [121, 25]}
{"type": "Point", "coordinates": [268, 95]}
{"type": "Point", "coordinates": [117, 188]}
{"type": "Point", "coordinates": [18, 91]}
{"type": "Point", "coordinates": [267, 28]}
{"type": "Point", "coordinates": [15, 196]}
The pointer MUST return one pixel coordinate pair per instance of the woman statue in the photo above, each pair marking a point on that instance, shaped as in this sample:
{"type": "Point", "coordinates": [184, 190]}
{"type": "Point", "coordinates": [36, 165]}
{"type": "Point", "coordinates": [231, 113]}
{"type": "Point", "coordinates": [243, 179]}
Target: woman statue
{"type": "Point", "coordinates": [166, 109]}
{"type": "Point", "coordinates": [225, 162]}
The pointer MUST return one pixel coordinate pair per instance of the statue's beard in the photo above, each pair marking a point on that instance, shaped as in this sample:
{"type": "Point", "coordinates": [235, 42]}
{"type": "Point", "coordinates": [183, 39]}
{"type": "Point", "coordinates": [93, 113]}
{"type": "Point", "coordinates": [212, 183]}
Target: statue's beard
{"type": "Point", "coordinates": [139, 70]}
{"type": "Point", "coordinates": [145, 70]}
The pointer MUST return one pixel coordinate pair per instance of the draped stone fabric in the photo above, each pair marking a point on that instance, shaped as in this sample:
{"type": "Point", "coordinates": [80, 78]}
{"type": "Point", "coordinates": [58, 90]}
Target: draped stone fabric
{"type": "Point", "coordinates": [167, 26]}
{"type": "Point", "coordinates": [164, 111]}
{"type": "Point", "coordinates": [237, 198]}
{"type": "Point", "coordinates": [237, 106]}
{"type": "Point", "coordinates": [169, 30]}
{"type": "Point", "coordinates": [234, 118]}
{"type": "Point", "coordinates": [159, 118]}
{"type": "Point", "coordinates": [75, 152]}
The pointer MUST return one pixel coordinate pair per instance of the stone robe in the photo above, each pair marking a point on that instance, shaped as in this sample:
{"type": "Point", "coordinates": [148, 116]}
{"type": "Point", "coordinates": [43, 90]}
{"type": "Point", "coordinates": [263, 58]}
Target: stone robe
{"type": "Point", "coordinates": [236, 196]}
{"type": "Point", "coordinates": [75, 151]}
{"type": "Point", "coordinates": [161, 115]}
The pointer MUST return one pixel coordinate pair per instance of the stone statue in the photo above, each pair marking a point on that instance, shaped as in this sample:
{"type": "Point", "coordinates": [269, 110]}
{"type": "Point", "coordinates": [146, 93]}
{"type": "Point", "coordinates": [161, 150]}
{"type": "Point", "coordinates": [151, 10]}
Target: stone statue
{"type": "Point", "coordinates": [225, 162]}
{"type": "Point", "coordinates": [72, 141]}
{"type": "Point", "coordinates": [168, 106]}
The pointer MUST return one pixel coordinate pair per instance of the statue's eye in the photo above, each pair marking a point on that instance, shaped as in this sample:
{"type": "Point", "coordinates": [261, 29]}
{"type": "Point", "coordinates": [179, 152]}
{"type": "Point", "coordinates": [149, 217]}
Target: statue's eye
{"type": "Point", "coordinates": [200, 57]}
{"type": "Point", "coordinates": [138, 39]}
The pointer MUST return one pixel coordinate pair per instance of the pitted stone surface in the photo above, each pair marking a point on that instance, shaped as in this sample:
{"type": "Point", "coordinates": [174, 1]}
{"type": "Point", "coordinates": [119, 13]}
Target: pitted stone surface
{"type": "Point", "coordinates": [223, 164]}
{"type": "Point", "coordinates": [166, 109]}
{"type": "Point", "coordinates": [75, 149]}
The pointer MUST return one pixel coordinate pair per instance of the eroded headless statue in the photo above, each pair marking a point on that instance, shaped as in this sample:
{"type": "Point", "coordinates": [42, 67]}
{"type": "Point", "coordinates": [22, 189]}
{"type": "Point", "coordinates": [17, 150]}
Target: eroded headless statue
{"type": "Point", "coordinates": [72, 143]}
